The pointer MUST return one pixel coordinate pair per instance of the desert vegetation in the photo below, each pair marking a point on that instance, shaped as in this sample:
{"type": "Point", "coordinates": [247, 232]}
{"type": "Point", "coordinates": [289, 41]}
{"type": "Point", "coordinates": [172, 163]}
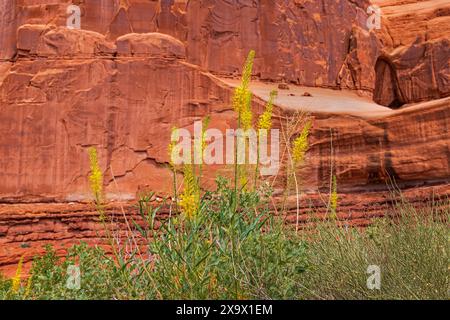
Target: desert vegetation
{"type": "Point", "coordinates": [222, 254]}
{"type": "Point", "coordinates": [227, 243]}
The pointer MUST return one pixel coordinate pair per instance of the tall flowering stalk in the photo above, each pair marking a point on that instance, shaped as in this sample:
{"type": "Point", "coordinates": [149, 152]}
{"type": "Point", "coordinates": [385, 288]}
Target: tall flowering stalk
{"type": "Point", "coordinates": [299, 148]}
{"type": "Point", "coordinates": [265, 120]}
{"type": "Point", "coordinates": [300, 145]}
{"type": "Point", "coordinates": [190, 198]}
{"type": "Point", "coordinates": [264, 125]}
{"type": "Point", "coordinates": [334, 198]}
{"type": "Point", "coordinates": [16, 279]}
{"type": "Point", "coordinates": [96, 181]}
{"type": "Point", "coordinates": [241, 102]}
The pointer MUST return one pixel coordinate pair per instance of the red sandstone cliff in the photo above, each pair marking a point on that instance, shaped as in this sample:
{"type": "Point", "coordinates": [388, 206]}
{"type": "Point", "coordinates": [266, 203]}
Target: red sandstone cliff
{"type": "Point", "coordinates": [139, 67]}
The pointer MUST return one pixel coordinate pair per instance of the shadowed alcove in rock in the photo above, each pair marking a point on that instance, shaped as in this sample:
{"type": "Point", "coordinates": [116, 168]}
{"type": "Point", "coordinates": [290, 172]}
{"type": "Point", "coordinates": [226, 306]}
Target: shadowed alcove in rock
{"type": "Point", "coordinates": [387, 92]}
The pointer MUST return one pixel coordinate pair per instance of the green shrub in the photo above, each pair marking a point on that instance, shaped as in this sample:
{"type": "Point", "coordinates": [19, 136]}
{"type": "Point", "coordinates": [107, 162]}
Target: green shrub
{"type": "Point", "coordinates": [411, 251]}
{"type": "Point", "coordinates": [226, 254]}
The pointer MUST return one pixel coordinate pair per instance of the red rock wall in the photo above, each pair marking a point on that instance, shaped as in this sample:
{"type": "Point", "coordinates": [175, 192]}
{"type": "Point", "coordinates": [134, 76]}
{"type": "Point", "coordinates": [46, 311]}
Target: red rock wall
{"type": "Point", "coordinates": [412, 147]}
{"type": "Point", "coordinates": [125, 96]}
{"type": "Point", "coordinates": [314, 43]}
{"type": "Point", "coordinates": [416, 40]}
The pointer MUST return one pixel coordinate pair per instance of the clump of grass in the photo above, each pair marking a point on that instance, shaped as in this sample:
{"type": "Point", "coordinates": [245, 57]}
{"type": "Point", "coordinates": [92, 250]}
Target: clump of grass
{"type": "Point", "coordinates": [412, 252]}
{"type": "Point", "coordinates": [100, 276]}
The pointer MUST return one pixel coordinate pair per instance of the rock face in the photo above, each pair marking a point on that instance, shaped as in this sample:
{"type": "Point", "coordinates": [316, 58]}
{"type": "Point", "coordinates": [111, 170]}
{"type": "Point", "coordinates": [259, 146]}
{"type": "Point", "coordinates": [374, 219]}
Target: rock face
{"type": "Point", "coordinates": [415, 64]}
{"type": "Point", "coordinates": [150, 44]}
{"type": "Point", "coordinates": [313, 43]}
{"type": "Point", "coordinates": [139, 67]}
{"type": "Point", "coordinates": [40, 41]}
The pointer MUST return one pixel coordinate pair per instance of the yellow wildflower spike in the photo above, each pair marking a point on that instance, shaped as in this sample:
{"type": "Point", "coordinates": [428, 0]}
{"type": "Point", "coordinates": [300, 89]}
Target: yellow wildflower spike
{"type": "Point", "coordinates": [244, 182]}
{"type": "Point", "coordinates": [242, 97]}
{"type": "Point", "coordinates": [246, 118]}
{"type": "Point", "coordinates": [265, 120]}
{"type": "Point", "coordinates": [248, 68]}
{"type": "Point", "coordinates": [242, 103]}
{"type": "Point", "coordinates": [334, 198]}
{"type": "Point", "coordinates": [237, 100]}
{"type": "Point", "coordinates": [16, 280]}
{"type": "Point", "coordinates": [190, 199]}
{"type": "Point", "coordinates": [301, 144]}
{"type": "Point", "coordinates": [96, 176]}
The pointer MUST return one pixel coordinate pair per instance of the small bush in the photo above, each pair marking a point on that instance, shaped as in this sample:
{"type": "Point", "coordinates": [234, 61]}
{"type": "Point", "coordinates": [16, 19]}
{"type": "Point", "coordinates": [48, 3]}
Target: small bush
{"type": "Point", "coordinates": [411, 251]}
{"type": "Point", "coordinates": [224, 254]}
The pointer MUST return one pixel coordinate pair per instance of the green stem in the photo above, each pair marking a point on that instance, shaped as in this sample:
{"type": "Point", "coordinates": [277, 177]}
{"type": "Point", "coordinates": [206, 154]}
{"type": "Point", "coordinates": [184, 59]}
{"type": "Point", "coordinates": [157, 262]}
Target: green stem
{"type": "Point", "coordinates": [236, 167]}
{"type": "Point", "coordinates": [257, 161]}
{"type": "Point", "coordinates": [175, 192]}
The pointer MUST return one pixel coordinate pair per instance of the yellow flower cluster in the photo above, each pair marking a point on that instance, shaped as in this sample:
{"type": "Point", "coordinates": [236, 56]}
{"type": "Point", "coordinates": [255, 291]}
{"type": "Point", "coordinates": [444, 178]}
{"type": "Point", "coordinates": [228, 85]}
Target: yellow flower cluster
{"type": "Point", "coordinates": [265, 121]}
{"type": "Point", "coordinates": [96, 176]}
{"type": "Point", "coordinates": [16, 280]}
{"type": "Point", "coordinates": [301, 144]}
{"type": "Point", "coordinates": [248, 68]}
{"type": "Point", "coordinates": [247, 114]}
{"type": "Point", "coordinates": [190, 198]}
{"type": "Point", "coordinates": [334, 198]}
{"type": "Point", "coordinates": [243, 180]}
{"type": "Point", "coordinates": [189, 205]}
{"type": "Point", "coordinates": [237, 100]}
{"type": "Point", "coordinates": [242, 98]}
